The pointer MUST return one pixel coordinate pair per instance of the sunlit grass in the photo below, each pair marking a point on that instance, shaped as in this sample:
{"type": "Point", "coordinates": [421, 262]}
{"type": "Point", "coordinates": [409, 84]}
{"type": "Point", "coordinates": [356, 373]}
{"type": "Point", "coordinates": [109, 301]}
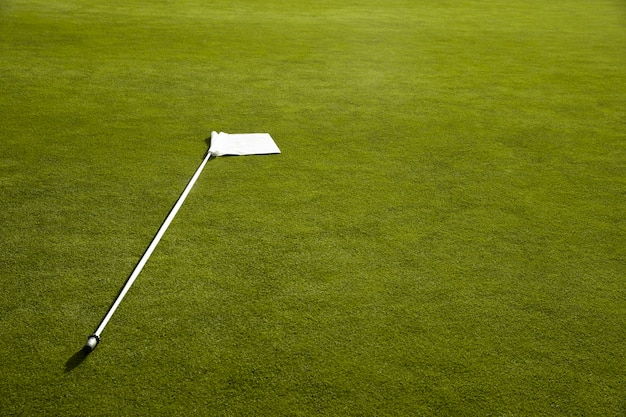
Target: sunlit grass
{"type": "Point", "coordinates": [443, 233]}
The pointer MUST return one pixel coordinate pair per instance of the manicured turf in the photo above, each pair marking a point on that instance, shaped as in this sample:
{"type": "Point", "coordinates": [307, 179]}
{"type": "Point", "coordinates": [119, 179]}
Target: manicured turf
{"type": "Point", "coordinates": [443, 234]}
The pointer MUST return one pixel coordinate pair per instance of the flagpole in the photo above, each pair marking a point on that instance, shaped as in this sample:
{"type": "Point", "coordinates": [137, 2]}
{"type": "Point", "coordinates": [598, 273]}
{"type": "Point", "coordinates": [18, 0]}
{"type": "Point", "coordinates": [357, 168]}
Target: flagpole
{"type": "Point", "coordinates": [94, 339]}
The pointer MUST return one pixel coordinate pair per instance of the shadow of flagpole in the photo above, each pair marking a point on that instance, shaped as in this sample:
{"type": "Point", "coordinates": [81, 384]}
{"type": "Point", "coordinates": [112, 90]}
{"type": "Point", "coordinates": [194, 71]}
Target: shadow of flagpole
{"type": "Point", "coordinates": [77, 359]}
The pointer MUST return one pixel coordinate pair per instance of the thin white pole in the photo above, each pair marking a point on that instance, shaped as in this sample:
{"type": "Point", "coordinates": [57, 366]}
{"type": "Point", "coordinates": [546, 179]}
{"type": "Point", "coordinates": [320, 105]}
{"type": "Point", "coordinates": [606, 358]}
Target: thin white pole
{"type": "Point", "coordinates": [94, 339]}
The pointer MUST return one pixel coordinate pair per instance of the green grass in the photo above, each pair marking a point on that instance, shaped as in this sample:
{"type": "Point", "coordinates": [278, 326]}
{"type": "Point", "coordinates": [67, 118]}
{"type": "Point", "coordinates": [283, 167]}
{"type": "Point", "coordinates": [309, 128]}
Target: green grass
{"type": "Point", "coordinates": [443, 234]}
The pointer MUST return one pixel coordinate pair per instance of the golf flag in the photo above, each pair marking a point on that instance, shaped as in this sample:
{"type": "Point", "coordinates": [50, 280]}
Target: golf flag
{"type": "Point", "coordinates": [221, 144]}
{"type": "Point", "coordinates": [242, 144]}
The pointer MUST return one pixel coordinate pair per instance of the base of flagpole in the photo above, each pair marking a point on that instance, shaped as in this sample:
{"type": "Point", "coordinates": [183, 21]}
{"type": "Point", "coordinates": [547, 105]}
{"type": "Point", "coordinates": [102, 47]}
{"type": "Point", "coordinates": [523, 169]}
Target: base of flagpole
{"type": "Point", "coordinates": [92, 342]}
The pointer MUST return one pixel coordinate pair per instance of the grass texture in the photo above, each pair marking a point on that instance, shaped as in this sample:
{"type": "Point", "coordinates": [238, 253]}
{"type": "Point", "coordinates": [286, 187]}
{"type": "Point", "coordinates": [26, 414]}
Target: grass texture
{"type": "Point", "coordinates": [443, 234]}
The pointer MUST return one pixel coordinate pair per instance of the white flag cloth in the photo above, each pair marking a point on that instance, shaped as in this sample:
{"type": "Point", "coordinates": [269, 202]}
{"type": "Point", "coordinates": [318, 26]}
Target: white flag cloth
{"type": "Point", "coordinates": [242, 144]}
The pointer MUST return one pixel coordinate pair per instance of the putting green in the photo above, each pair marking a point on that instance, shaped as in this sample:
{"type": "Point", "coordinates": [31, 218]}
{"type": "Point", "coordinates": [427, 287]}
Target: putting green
{"type": "Point", "coordinates": [443, 233]}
